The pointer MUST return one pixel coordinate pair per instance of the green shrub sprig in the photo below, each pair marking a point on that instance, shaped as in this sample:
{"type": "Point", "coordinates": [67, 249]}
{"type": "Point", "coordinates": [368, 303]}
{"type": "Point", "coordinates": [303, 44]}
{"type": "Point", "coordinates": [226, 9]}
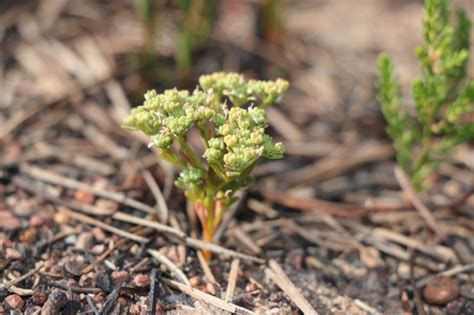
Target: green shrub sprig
{"type": "Point", "coordinates": [443, 96]}
{"type": "Point", "coordinates": [233, 137]}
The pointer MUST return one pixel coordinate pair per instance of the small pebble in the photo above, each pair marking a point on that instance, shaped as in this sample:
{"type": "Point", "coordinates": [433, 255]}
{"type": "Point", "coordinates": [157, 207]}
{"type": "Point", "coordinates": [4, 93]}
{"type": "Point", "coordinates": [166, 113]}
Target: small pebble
{"type": "Point", "coordinates": [99, 234]}
{"type": "Point", "coordinates": [298, 261]}
{"type": "Point", "coordinates": [159, 309]}
{"type": "Point", "coordinates": [84, 197]}
{"type": "Point", "coordinates": [28, 236]}
{"type": "Point", "coordinates": [251, 287]}
{"type": "Point", "coordinates": [74, 265]}
{"type": "Point", "coordinates": [119, 277]}
{"type": "Point", "coordinates": [98, 249]}
{"type": "Point", "coordinates": [12, 254]}
{"type": "Point", "coordinates": [141, 280]}
{"type": "Point", "coordinates": [61, 218]}
{"type": "Point", "coordinates": [275, 297]}
{"type": "Point", "coordinates": [85, 241]}
{"type": "Point", "coordinates": [4, 242]}
{"type": "Point", "coordinates": [37, 220]}
{"type": "Point", "coordinates": [57, 300]}
{"type": "Point", "coordinates": [440, 290]}
{"type": "Point", "coordinates": [107, 204]}
{"type": "Point", "coordinates": [195, 281]}
{"type": "Point", "coordinates": [8, 222]}
{"type": "Point", "coordinates": [14, 302]}
{"type": "Point", "coordinates": [39, 298]}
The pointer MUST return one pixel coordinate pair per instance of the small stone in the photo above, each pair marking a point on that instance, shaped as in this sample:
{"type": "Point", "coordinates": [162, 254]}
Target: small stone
{"type": "Point", "coordinates": [31, 309]}
{"type": "Point", "coordinates": [83, 196]}
{"type": "Point", "coordinates": [37, 220]}
{"type": "Point", "coordinates": [85, 241]}
{"type": "Point", "coordinates": [61, 218]}
{"type": "Point", "coordinates": [12, 254]}
{"type": "Point", "coordinates": [57, 300]}
{"type": "Point", "coordinates": [8, 221]}
{"type": "Point", "coordinates": [275, 297]}
{"type": "Point", "coordinates": [39, 298]}
{"type": "Point", "coordinates": [370, 256]}
{"type": "Point", "coordinates": [159, 309]}
{"type": "Point", "coordinates": [75, 265]}
{"type": "Point", "coordinates": [120, 277]}
{"type": "Point", "coordinates": [41, 219]}
{"type": "Point", "coordinates": [141, 280]}
{"type": "Point", "coordinates": [298, 261]}
{"type": "Point", "coordinates": [5, 242]}
{"type": "Point", "coordinates": [251, 287]}
{"type": "Point", "coordinates": [440, 290]}
{"type": "Point", "coordinates": [14, 302]}
{"type": "Point", "coordinates": [99, 234]}
{"type": "Point", "coordinates": [195, 281]}
{"type": "Point", "coordinates": [106, 204]}
{"type": "Point", "coordinates": [98, 249]}
{"type": "Point", "coordinates": [28, 236]}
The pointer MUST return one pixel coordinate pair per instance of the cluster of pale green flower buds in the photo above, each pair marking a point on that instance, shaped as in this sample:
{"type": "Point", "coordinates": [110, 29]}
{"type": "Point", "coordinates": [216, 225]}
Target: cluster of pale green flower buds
{"type": "Point", "coordinates": [241, 140]}
{"type": "Point", "coordinates": [240, 91]}
{"type": "Point", "coordinates": [234, 136]}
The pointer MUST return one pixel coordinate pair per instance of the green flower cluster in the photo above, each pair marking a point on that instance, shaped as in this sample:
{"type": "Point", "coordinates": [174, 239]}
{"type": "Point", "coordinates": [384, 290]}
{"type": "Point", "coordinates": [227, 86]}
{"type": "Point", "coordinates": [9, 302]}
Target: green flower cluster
{"type": "Point", "coordinates": [239, 91]}
{"type": "Point", "coordinates": [168, 116]}
{"type": "Point", "coordinates": [443, 96]}
{"type": "Point", "coordinates": [240, 141]}
{"type": "Point", "coordinates": [233, 135]}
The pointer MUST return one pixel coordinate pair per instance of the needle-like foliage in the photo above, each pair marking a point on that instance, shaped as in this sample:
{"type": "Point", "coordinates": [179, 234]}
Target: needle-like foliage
{"type": "Point", "coordinates": [443, 96]}
{"type": "Point", "coordinates": [229, 113]}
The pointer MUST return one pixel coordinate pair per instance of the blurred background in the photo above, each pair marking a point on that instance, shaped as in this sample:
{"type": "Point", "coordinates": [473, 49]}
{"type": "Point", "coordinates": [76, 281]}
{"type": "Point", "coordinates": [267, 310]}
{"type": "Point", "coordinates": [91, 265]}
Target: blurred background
{"type": "Point", "coordinates": [71, 70]}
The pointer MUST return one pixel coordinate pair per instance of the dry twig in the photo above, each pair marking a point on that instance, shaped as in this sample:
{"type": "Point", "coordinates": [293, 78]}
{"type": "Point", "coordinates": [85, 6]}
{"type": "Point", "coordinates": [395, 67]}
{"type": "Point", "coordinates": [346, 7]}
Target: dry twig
{"type": "Point", "coordinates": [276, 273]}
{"type": "Point", "coordinates": [232, 280]}
{"type": "Point", "coordinates": [416, 202]}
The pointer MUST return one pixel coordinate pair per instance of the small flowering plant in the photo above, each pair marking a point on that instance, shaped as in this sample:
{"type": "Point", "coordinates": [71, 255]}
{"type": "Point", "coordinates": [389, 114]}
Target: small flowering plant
{"type": "Point", "coordinates": [229, 113]}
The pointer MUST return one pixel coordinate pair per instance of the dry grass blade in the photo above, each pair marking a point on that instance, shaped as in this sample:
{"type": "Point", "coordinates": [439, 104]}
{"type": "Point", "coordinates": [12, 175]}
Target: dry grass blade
{"type": "Point", "coordinates": [80, 160]}
{"type": "Point", "coordinates": [121, 216]}
{"type": "Point", "coordinates": [205, 267]}
{"type": "Point", "coordinates": [416, 202]}
{"type": "Point", "coordinates": [283, 125]}
{"type": "Point", "coordinates": [246, 240]}
{"type": "Point", "coordinates": [207, 298]}
{"type": "Point", "coordinates": [276, 273]}
{"type": "Point", "coordinates": [163, 211]}
{"type": "Point", "coordinates": [333, 208]}
{"type": "Point", "coordinates": [88, 220]}
{"type": "Point", "coordinates": [232, 281]}
{"type": "Point", "coordinates": [56, 179]}
{"type": "Point", "coordinates": [28, 185]}
{"type": "Point", "coordinates": [441, 252]}
{"type": "Point", "coordinates": [338, 164]}
{"type": "Point", "coordinates": [216, 249]}
{"type": "Point", "coordinates": [168, 263]}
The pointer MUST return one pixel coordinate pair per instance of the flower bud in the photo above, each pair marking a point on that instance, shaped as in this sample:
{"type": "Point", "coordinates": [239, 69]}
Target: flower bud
{"type": "Point", "coordinates": [231, 140]}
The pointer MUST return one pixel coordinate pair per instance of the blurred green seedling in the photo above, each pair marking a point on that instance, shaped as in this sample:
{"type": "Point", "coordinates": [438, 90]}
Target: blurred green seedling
{"type": "Point", "coordinates": [443, 95]}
